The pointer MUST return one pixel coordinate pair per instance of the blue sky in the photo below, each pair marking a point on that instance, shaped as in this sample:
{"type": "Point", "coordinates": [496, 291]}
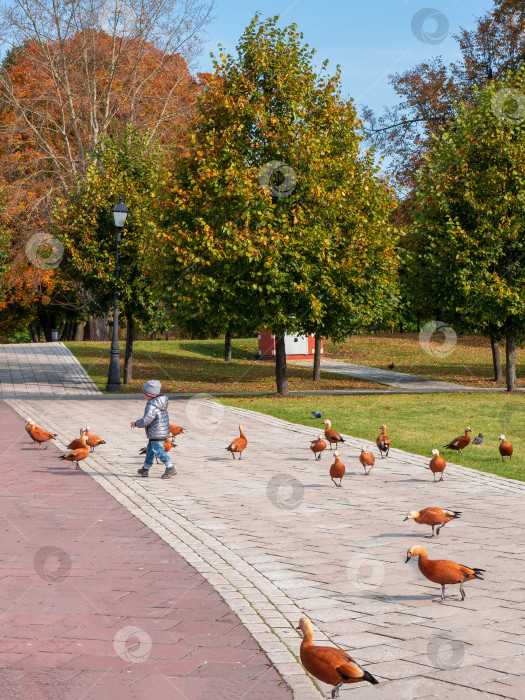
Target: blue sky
{"type": "Point", "coordinates": [369, 40]}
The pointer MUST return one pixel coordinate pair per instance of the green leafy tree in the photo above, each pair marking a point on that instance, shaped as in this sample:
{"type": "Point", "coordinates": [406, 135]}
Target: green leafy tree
{"type": "Point", "coordinates": [305, 246]}
{"type": "Point", "coordinates": [126, 167]}
{"type": "Point", "coordinates": [467, 242]}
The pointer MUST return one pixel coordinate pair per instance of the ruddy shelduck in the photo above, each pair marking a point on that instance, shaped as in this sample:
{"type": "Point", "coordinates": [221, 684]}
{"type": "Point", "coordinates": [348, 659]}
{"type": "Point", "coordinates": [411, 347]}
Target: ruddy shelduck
{"type": "Point", "coordinates": [329, 664]}
{"type": "Point", "coordinates": [332, 436]}
{"type": "Point", "coordinates": [93, 440]}
{"type": "Point", "coordinates": [505, 448]}
{"type": "Point", "coordinates": [39, 434]}
{"type": "Point", "coordinates": [437, 464]}
{"type": "Point", "coordinates": [446, 573]}
{"type": "Point", "coordinates": [77, 443]}
{"type": "Point", "coordinates": [435, 517]}
{"type": "Point", "coordinates": [337, 470]}
{"type": "Point", "coordinates": [460, 442]}
{"type": "Point", "coordinates": [79, 454]}
{"type": "Point", "coordinates": [239, 444]}
{"type": "Point", "coordinates": [176, 430]}
{"type": "Point", "coordinates": [367, 459]}
{"type": "Point", "coordinates": [383, 442]}
{"type": "Point", "coordinates": [317, 446]}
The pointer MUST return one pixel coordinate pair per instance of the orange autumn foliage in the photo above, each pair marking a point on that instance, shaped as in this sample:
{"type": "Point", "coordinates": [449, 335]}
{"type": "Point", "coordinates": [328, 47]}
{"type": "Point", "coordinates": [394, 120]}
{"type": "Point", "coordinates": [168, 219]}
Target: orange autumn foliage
{"type": "Point", "coordinates": [58, 101]}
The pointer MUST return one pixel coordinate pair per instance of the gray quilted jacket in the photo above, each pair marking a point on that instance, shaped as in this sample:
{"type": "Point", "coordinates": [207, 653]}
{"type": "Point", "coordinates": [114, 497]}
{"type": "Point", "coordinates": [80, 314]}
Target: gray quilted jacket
{"type": "Point", "coordinates": [156, 419]}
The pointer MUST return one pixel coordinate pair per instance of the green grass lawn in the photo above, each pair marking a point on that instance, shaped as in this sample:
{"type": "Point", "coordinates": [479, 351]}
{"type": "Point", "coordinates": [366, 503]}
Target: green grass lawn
{"type": "Point", "coordinates": [196, 366]}
{"type": "Point", "coordinates": [417, 423]}
{"type": "Point", "coordinates": [470, 361]}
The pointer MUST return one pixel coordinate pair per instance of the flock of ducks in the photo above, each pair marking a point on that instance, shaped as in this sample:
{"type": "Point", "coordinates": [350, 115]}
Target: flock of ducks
{"type": "Point", "coordinates": [336, 667]}
{"type": "Point", "coordinates": [436, 465]}
{"type": "Point", "coordinates": [330, 664]}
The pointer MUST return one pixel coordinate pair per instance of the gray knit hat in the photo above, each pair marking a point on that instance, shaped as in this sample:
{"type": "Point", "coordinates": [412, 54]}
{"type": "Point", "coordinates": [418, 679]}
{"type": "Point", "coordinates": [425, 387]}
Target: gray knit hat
{"type": "Point", "coordinates": [152, 388]}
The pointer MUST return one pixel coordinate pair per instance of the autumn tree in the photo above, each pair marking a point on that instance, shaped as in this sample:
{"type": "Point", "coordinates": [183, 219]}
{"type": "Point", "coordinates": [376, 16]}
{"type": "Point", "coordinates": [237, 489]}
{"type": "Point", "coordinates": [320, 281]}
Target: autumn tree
{"type": "Point", "coordinates": [77, 72]}
{"type": "Point", "coordinates": [430, 92]}
{"type": "Point", "coordinates": [467, 242]}
{"type": "Point", "coordinates": [126, 166]}
{"type": "Point", "coordinates": [275, 217]}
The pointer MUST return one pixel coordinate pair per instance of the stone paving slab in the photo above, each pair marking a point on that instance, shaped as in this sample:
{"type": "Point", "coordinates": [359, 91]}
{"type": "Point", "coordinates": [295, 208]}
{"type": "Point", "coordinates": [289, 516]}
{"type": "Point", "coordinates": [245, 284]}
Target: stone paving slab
{"type": "Point", "coordinates": [276, 539]}
{"type": "Point", "coordinates": [95, 606]}
{"type": "Point", "coordinates": [42, 369]}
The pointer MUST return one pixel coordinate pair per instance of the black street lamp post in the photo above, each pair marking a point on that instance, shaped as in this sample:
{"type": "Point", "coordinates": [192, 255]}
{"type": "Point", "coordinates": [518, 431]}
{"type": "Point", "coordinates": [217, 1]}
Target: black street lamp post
{"type": "Point", "coordinates": [120, 212]}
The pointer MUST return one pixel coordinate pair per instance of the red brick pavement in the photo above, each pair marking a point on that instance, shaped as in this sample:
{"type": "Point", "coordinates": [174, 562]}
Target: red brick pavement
{"type": "Point", "coordinates": [95, 605]}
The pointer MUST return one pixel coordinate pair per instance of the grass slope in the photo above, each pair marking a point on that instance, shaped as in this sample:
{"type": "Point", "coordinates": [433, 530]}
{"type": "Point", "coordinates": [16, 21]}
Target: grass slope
{"type": "Point", "coordinates": [416, 423]}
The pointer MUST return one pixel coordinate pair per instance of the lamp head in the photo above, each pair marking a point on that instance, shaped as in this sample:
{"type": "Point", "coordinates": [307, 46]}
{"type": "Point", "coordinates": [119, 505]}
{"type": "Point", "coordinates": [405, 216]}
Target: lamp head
{"type": "Point", "coordinates": [120, 213]}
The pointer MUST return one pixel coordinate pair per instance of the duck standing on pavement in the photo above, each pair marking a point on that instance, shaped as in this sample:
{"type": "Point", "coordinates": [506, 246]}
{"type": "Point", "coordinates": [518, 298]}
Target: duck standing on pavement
{"type": "Point", "coordinates": [79, 454]}
{"type": "Point", "coordinates": [435, 517]}
{"type": "Point", "coordinates": [176, 430]}
{"type": "Point", "coordinates": [329, 664]}
{"type": "Point", "coordinates": [367, 459]}
{"type": "Point", "coordinates": [337, 470]}
{"type": "Point", "coordinates": [239, 444]}
{"type": "Point", "coordinates": [383, 442]}
{"type": "Point", "coordinates": [39, 435]}
{"type": "Point", "coordinates": [77, 443]}
{"type": "Point", "coordinates": [317, 446]}
{"type": "Point", "coordinates": [446, 573]}
{"type": "Point", "coordinates": [333, 437]}
{"type": "Point", "coordinates": [437, 464]}
{"type": "Point", "coordinates": [93, 440]}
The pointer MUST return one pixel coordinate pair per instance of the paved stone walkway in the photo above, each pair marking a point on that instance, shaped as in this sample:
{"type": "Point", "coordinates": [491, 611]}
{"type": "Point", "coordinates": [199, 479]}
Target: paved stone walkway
{"type": "Point", "coordinates": [28, 370]}
{"type": "Point", "coordinates": [96, 606]}
{"type": "Point", "coordinates": [398, 380]}
{"type": "Point", "coordinates": [276, 539]}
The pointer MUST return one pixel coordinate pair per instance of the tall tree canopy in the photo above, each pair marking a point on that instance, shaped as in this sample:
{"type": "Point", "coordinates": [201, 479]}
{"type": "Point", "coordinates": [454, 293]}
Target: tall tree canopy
{"type": "Point", "coordinates": [430, 92]}
{"type": "Point", "coordinates": [467, 241]}
{"type": "Point", "coordinates": [78, 71]}
{"type": "Point", "coordinates": [275, 218]}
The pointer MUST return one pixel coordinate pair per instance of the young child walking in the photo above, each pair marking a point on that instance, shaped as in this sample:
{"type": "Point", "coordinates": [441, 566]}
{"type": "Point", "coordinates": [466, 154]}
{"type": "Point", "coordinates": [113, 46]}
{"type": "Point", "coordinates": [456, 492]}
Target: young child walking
{"type": "Point", "coordinates": [157, 424]}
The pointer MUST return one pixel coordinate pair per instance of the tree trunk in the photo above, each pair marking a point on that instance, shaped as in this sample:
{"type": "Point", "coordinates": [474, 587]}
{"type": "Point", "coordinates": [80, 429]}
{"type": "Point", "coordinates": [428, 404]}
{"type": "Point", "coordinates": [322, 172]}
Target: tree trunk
{"type": "Point", "coordinates": [228, 347]}
{"type": "Point", "coordinates": [280, 366]}
{"type": "Point", "coordinates": [35, 333]}
{"type": "Point", "coordinates": [79, 332]}
{"type": "Point", "coordinates": [98, 329]}
{"type": "Point", "coordinates": [64, 331]}
{"type": "Point", "coordinates": [102, 328]}
{"type": "Point", "coordinates": [496, 359]}
{"type": "Point", "coordinates": [45, 322]}
{"type": "Point", "coordinates": [510, 354]}
{"type": "Point", "coordinates": [128, 356]}
{"type": "Point", "coordinates": [92, 332]}
{"type": "Point", "coordinates": [317, 359]}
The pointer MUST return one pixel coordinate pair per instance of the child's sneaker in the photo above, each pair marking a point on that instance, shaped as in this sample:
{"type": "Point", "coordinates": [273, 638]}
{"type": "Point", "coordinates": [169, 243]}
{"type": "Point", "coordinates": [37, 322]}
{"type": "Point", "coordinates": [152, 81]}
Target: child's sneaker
{"type": "Point", "coordinates": [170, 471]}
{"type": "Point", "coordinates": [143, 472]}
